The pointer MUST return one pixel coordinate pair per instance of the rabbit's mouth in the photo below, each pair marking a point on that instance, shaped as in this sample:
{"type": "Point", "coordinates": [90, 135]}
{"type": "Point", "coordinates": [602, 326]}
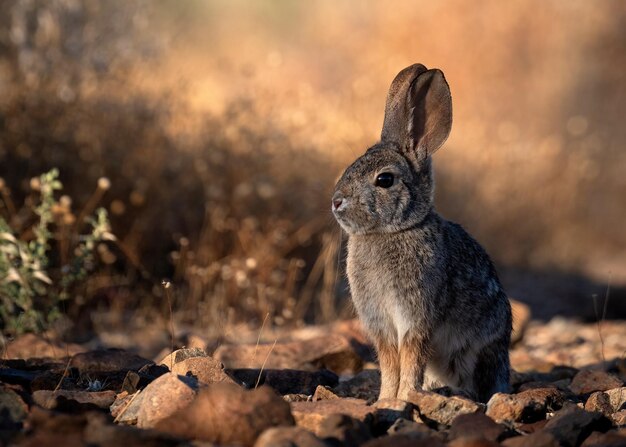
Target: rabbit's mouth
{"type": "Point", "coordinates": [350, 226]}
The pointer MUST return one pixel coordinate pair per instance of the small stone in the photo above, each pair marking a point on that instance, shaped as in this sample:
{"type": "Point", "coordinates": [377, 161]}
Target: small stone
{"type": "Point", "coordinates": [475, 425]}
{"type": "Point", "coordinates": [403, 441]}
{"type": "Point", "coordinates": [311, 415]}
{"type": "Point", "coordinates": [587, 381]}
{"type": "Point", "coordinates": [364, 385]}
{"type": "Point", "coordinates": [12, 408]}
{"type": "Point", "coordinates": [126, 408]}
{"type": "Point", "coordinates": [108, 360]}
{"type": "Point", "coordinates": [288, 437]}
{"type": "Point", "coordinates": [538, 439]}
{"type": "Point", "coordinates": [390, 410]}
{"type": "Point", "coordinates": [527, 406]}
{"type": "Point", "coordinates": [440, 409]}
{"type": "Point", "coordinates": [599, 402]}
{"type": "Point", "coordinates": [473, 442]}
{"type": "Point", "coordinates": [617, 397]}
{"type": "Point", "coordinates": [330, 352]}
{"type": "Point", "coordinates": [571, 425]}
{"type": "Point", "coordinates": [297, 398]}
{"type": "Point", "coordinates": [612, 438]}
{"type": "Point", "coordinates": [51, 399]}
{"type": "Point", "coordinates": [619, 418]}
{"type": "Point", "coordinates": [323, 393]}
{"type": "Point", "coordinates": [181, 354]}
{"type": "Point", "coordinates": [225, 413]}
{"type": "Point", "coordinates": [205, 369]}
{"type": "Point", "coordinates": [163, 397]}
{"type": "Point", "coordinates": [340, 429]}
{"type": "Point", "coordinates": [416, 430]}
{"type": "Point", "coordinates": [99, 432]}
{"type": "Point", "coordinates": [29, 345]}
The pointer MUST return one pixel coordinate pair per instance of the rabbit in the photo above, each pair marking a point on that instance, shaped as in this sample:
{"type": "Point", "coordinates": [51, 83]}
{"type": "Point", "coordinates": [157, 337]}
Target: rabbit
{"type": "Point", "coordinates": [426, 292]}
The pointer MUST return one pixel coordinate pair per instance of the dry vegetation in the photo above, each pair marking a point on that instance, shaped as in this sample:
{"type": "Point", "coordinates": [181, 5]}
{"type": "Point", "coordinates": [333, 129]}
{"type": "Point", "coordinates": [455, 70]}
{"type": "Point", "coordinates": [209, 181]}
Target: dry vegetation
{"type": "Point", "coordinates": [222, 126]}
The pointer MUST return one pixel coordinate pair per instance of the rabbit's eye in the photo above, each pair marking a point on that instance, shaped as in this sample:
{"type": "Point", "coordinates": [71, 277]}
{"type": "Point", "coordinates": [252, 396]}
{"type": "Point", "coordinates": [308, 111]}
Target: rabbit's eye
{"type": "Point", "coordinates": [384, 180]}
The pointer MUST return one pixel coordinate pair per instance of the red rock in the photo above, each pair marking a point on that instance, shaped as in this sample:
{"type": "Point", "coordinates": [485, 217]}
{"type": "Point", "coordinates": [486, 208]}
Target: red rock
{"type": "Point", "coordinates": [331, 352]}
{"type": "Point", "coordinates": [323, 393]}
{"type": "Point", "coordinates": [619, 418]}
{"type": "Point", "coordinates": [224, 413]}
{"type": "Point", "coordinates": [288, 437]}
{"type": "Point", "coordinates": [571, 426]}
{"type": "Point", "coordinates": [205, 369]}
{"type": "Point", "coordinates": [599, 402]}
{"type": "Point", "coordinates": [475, 425]}
{"type": "Point", "coordinates": [163, 397]}
{"type": "Point", "coordinates": [404, 441]}
{"type": "Point", "coordinates": [527, 406]}
{"type": "Point", "coordinates": [473, 442]}
{"type": "Point", "coordinates": [617, 397]}
{"type": "Point", "coordinates": [538, 439]}
{"type": "Point", "coordinates": [50, 399]}
{"type": "Point", "coordinates": [311, 415]}
{"type": "Point", "coordinates": [587, 381]}
{"type": "Point", "coordinates": [340, 429]}
{"type": "Point", "coordinates": [613, 438]}
{"type": "Point", "coordinates": [441, 409]}
{"type": "Point", "coordinates": [30, 345]}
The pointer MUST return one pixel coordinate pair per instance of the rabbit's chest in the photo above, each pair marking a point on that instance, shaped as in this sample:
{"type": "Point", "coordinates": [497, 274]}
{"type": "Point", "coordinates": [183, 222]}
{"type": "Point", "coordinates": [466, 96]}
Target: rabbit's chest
{"type": "Point", "coordinates": [380, 295]}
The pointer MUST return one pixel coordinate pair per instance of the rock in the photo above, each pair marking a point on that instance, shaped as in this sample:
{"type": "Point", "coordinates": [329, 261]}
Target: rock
{"type": "Point", "coordinates": [12, 408]}
{"type": "Point", "coordinates": [181, 354]}
{"type": "Point", "coordinates": [323, 393]}
{"type": "Point", "coordinates": [330, 352]}
{"type": "Point", "coordinates": [416, 430]}
{"type": "Point", "coordinates": [617, 397]}
{"type": "Point", "coordinates": [619, 418]}
{"type": "Point", "coordinates": [225, 413]}
{"type": "Point", "coordinates": [613, 438]}
{"type": "Point", "coordinates": [599, 402]}
{"type": "Point", "coordinates": [521, 318]}
{"type": "Point", "coordinates": [364, 385]}
{"type": "Point", "coordinates": [475, 425]}
{"type": "Point", "coordinates": [403, 441]}
{"type": "Point", "coordinates": [297, 398]}
{"type": "Point", "coordinates": [126, 408]}
{"type": "Point", "coordinates": [108, 360]}
{"type": "Point", "coordinates": [205, 369]}
{"type": "Point", "coordinates": [571, 425]}
{"type": "Point", "coordinates": [311, 415]}
{"type": "Point", "coordinates": [388, 411]}
{"type": "Point", "coordinates": [288, 437]}
{"type": "Point", "coordinates": [163, 397]}
{"type": "Point", "coordinates": [588, 380]}
{"type": "Point", "coordinates": [538, 439]}
{"type": "Point", "coordinates": [102, 434]}
{"type": "Point", "coordinates": [286, 381]}
{"type": "Point", "coordinates": [30, 345]}
{"type": "Point", "coordinates": [527, 406]}
{"type": "Point", "coordinates": [51, 428]}
{"type": "Point", "coordinates": [51, 399]}
{"type": "Point", "coordinates": [434, 408]}
{"type": "Point", "coordinates": [473, 442]}
{"type": "Point", "coordinates": [340, 429]}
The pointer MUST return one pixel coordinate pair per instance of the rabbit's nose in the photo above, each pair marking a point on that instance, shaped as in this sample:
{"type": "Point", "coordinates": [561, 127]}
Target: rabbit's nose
{"type": "Point", "coordinates": [337, 201]}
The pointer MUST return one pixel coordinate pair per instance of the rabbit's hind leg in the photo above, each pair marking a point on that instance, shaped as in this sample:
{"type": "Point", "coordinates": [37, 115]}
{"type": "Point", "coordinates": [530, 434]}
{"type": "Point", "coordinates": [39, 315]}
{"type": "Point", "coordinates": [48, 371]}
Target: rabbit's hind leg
{"type": "Point", "coordinates": [491, 374]}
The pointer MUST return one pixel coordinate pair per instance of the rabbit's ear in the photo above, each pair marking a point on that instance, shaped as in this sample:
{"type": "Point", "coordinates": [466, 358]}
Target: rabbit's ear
{"type": "Point", "coordinates": [418, 115]}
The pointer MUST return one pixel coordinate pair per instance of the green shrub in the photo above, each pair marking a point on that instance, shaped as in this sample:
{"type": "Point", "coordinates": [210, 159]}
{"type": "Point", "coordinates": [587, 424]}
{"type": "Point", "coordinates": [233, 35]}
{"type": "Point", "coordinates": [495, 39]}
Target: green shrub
{"type": "Point", "coordinates": [31, 290]}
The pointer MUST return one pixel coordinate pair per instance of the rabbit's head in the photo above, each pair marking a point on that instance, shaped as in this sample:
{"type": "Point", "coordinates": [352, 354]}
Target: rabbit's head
{"type": "Point", "coordinates": [390, 187]}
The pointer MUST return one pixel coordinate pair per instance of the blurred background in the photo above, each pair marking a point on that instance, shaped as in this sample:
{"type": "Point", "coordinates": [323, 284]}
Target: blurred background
{"type": "Point", "coordinates": [212, 132]}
